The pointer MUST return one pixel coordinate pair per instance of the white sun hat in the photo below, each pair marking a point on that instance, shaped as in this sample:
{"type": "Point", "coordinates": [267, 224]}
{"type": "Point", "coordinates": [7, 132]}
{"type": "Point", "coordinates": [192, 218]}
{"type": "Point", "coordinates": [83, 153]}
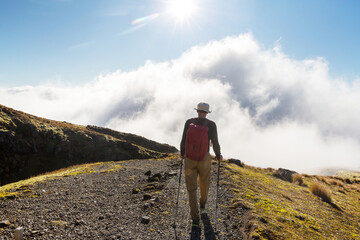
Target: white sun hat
{"type": "Point", "coordinates": [204, 107]}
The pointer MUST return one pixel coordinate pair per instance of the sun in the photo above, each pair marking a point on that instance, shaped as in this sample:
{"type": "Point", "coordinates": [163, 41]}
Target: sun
{"type": "Point", "coordinates": [182, 10]}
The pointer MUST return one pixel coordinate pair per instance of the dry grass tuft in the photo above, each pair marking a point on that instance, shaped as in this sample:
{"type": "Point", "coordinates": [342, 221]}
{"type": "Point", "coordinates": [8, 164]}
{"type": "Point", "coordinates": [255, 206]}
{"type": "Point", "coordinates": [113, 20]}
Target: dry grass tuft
{"type": "Point", "coordinates": [355, 188]}
{"type": "Point", "coordinates": [297, 178]}
{"type": "Point", "coordinates": [336, 182]}
{"type": "Point", "coordinates": [320, 191]}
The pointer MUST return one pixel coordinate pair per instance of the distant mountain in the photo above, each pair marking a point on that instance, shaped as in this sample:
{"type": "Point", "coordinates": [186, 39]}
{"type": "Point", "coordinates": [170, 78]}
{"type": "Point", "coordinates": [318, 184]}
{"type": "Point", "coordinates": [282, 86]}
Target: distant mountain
{"type": "Point", "coordinates": [31, 145]}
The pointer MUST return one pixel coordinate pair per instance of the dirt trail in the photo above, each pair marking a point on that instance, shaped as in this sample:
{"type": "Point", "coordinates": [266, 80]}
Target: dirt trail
{"type": "Point", "coordinates": [124, 200]}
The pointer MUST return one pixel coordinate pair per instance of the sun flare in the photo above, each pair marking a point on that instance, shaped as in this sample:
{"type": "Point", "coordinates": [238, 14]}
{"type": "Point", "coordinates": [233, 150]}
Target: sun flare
{"type": "Point", "coordinates": [182, 10]}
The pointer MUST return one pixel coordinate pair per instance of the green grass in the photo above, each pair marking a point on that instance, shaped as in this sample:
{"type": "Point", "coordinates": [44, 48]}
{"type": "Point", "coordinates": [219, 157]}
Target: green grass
{"type": "Point", "coordinates": [284, 210]}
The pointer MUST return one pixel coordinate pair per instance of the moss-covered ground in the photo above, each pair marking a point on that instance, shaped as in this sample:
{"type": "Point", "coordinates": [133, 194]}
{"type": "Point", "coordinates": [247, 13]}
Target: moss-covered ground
{"type": "Point", "coordinates": [284, 210]}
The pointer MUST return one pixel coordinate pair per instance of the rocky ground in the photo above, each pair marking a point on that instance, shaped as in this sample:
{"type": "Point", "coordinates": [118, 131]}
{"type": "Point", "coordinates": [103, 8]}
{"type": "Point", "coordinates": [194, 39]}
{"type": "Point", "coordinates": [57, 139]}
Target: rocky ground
{"type": "Point", "coordinates": [125, 200]}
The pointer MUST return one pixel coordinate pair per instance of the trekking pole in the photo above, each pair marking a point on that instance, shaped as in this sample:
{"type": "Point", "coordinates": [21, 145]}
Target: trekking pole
{"type": "Point", "coordinates": [217, 196]}
{"type": "Point", "coordinates": [177, 198]}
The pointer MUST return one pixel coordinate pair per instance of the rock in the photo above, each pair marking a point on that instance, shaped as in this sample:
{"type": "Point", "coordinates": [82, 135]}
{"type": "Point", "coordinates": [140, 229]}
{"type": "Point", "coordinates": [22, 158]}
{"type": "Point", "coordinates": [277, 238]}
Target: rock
{"type": "Point", "coordinates": [155, 178]}
{"type": "Point", "coordinates": [236, 162]}
{"type": "Point", "coordinates": [135, 191]}
{"type": "Point", "coordinates": [263, 220]}
{"type": "Point", "coordinates": [155, 199]}
{"type": "Point", "coordinates": [147, 197]}
{"type": "Point", "coordinates": [150, 187]}
{"type": "Point", "coordinates": [148, 173]}
{"type": "Point", "coordinates": [4, 223]}
{"type": "Point", "coordinates": [147, 205]}
{"type": "Point", "coordinates": [78, 223]}
{"type": "Point", "coordinates": [172, 173]}
{"type": "Point", "coordinates": [159, 187]}
{"type": "Point", "coordinates": [35, 232]}
{"type": "Point", "coordinates": [145, 220]}
{"type": "Point", "coordinates": [285, 174]}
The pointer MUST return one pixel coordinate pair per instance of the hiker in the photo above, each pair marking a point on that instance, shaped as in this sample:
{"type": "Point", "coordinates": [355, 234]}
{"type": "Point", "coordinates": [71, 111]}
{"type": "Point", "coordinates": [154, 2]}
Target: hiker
{"type": "Point", "coordinates": [198, 133]}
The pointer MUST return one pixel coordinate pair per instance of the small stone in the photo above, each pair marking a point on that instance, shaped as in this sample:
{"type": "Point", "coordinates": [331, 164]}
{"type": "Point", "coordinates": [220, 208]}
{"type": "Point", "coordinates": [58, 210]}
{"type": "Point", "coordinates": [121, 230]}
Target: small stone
{"type": "Point", "coordinates": [155, 199]}
{"type": "Point", "coordinates": [172, 173]}
{"type": "Point", "coordinates": [150, 187]}
{"type": "Point", "coordinates": [32, 233]}
{"type": "Point", "coordinates": [147, 197]}
{"type": "Point", "coordinates": [135, 191]}
{"type": "Point", "coordinates": [155, 178]}
{"type": "Point", "coordinates": [157, 175]}
{"type": "Point", "coordinates": [101, 217]}
{"type": "Point", "coordinates": [263, 220]}
{"type": "Point", "coordinates": [4, 223]}
{"type": "Point", "coordinates": [147, 205]}
{"type": "Point", "coordinates": [11, 197]}
{"type": "Point", "coordinates": [78, 223]}
{"type": "Point", "coordinates": [145, 219]}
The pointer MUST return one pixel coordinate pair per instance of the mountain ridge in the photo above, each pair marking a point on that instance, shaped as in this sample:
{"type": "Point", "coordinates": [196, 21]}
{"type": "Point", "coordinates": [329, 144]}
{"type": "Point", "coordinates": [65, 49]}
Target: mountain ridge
{"type": "Point", "coordinates": [31, 145]}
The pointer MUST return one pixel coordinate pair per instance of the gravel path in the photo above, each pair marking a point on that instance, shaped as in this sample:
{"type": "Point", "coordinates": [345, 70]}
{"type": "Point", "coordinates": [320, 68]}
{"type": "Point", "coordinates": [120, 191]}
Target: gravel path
{"type": "Point", "coordinates": [123, 200]}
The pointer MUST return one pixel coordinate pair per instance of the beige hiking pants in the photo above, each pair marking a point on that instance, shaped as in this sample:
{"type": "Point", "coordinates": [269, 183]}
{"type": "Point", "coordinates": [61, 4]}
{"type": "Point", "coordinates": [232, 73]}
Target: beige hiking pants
{"type": "Point", "coordinates": [193, 170]}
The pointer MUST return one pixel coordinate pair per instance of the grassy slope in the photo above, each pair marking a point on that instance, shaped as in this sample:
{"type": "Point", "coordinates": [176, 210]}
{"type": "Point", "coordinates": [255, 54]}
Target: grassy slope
{"type": "Point", "coordinates": [58, 127]}
{"type": "Point", "coordinates": [284, 210]}
{"type": "Point", "coordinates": [38, 122]}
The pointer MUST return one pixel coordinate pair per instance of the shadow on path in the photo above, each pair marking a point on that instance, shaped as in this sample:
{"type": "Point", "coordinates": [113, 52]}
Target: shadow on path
{"type": "Point", "coordinates": [209, 233]}
{"type": "Point", "coordinates": [208, 229]}
{"type": "Point", "coordinates": [195, 233]}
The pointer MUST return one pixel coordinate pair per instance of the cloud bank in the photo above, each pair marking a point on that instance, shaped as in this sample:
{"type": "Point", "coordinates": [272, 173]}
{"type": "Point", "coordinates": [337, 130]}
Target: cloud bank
{"type": "Point", "coordinates": [271, 110]}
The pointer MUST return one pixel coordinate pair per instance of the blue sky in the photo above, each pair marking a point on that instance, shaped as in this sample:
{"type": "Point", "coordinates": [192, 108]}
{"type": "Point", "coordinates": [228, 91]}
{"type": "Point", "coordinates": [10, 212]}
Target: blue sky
{"type": "Point", "coordinates": [281, 76]}
{"type": "Point", "coordinates": [73, 41]}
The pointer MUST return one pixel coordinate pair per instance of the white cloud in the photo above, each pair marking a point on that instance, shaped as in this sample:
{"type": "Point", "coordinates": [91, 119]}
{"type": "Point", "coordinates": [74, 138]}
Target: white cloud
{"type": "Point", "coordinates": [271, 110]}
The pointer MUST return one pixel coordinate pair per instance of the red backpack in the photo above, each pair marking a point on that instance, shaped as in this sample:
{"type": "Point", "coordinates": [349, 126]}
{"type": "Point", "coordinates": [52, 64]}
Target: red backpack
{"type": "Point", "coordinates": [197, 141]}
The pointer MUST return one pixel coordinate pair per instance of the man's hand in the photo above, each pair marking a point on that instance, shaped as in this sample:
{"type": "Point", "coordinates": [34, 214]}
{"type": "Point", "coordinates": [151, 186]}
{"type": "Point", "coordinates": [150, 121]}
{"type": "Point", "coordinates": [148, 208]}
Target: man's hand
{"type": "Point", "coordinates": [221, 158]}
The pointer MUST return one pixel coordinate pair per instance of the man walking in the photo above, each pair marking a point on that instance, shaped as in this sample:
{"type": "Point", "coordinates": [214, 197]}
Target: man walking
{"type": "Point", "coordinates": [195, 146]}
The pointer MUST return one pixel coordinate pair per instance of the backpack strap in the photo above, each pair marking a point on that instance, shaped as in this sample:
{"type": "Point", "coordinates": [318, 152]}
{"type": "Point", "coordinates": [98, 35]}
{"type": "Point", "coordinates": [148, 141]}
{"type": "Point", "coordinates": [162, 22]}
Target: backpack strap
{"type": "Point", "coordinates": [195, 121]}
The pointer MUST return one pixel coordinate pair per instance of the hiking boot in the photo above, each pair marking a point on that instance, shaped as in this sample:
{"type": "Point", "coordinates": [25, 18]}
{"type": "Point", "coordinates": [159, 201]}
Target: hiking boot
{"type": "Point", "coordinates": [202, 207]}
{"type": "Point", "coordinates": [195, 223]}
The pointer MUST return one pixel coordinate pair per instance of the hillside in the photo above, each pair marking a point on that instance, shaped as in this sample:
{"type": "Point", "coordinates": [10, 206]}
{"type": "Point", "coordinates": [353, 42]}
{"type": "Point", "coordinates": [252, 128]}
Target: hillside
{"type": "Point", "coordinates": [299, 207]}
{"type": "Point", "coordinates": [31, 145]}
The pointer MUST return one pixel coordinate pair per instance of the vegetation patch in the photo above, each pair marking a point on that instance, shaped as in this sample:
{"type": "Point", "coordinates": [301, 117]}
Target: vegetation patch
{"type": "Point", "coordinates": [285, 210]}
{"type": "Point", "coordinates": [320, 191]}
{"type": "Point", "coordinates": [297, 178]}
